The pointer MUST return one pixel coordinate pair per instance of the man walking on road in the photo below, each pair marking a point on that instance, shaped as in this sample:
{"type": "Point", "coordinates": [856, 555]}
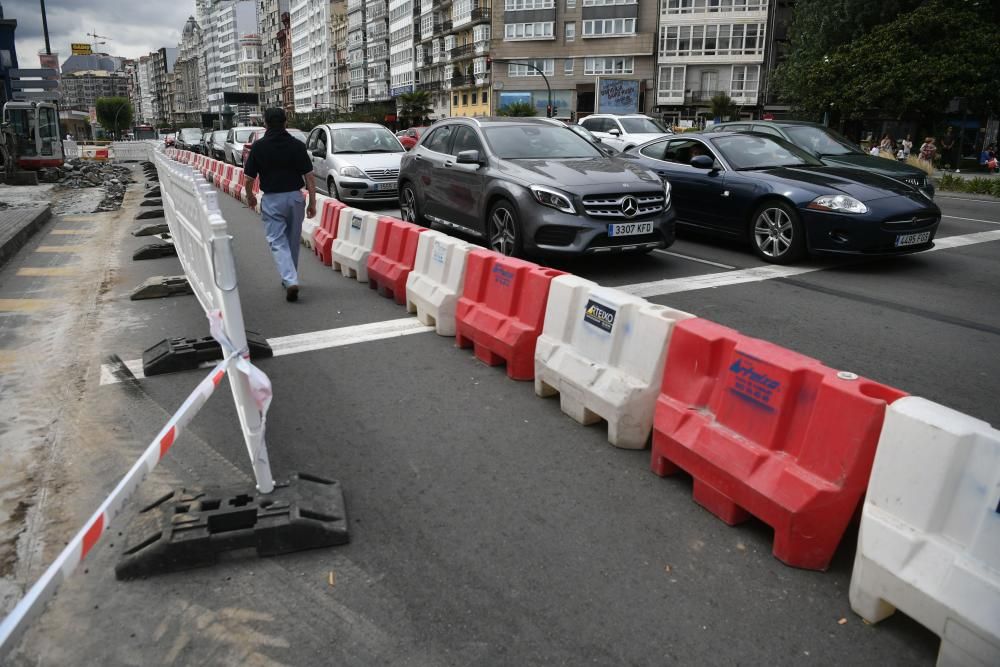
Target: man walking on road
{"type": "Point", "coordinates": [282, 163]}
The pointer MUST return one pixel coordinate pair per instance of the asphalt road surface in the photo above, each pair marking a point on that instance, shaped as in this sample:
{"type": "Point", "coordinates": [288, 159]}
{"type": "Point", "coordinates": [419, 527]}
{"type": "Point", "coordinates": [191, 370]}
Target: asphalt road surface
{"type": "Point", "coordinates": [487, 527]}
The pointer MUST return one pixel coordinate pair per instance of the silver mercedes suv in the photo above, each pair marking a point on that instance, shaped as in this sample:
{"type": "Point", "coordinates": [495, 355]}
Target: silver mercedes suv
{"type": "Point", "coordinates": [528, 186]}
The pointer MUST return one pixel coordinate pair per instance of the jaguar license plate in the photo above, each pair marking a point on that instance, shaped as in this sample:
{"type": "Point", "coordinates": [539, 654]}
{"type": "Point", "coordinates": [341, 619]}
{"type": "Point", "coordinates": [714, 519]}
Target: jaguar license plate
{"type": "Point", "coordinates": [912, 239]}
{"type": "Point", "coordinates": [629, 229]}
{"type": "Point", "coordinates": [383, 187]}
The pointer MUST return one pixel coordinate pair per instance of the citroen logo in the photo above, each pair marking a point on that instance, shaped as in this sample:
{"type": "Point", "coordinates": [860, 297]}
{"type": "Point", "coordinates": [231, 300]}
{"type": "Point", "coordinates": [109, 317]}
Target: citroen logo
{"type": "Point", "coordinates": [629, 206]}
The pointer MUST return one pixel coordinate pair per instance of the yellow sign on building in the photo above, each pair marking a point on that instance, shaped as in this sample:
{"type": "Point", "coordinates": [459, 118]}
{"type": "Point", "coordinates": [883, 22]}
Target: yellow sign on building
{"type": "Point", "coordinates": [81, 49]}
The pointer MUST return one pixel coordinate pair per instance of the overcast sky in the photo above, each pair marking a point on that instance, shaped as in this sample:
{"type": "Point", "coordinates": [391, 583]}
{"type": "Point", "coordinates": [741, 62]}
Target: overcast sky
{"type": "Point", "coordinates": [134, 27]}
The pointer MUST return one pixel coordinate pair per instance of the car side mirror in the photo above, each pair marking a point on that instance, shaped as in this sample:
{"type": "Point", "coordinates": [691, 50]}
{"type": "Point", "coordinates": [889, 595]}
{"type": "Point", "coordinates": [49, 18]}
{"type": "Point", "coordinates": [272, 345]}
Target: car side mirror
{"type": "Point", "coordinates": [702, 162]}
{"type": "Point", "coordinates": [615, 132]}
{"type": "Point", "coordinates": [468, 157]}
{"type": "Point", "coordinates": [319, 152]}
{"type": "Point", "coordinates": [597, 140]}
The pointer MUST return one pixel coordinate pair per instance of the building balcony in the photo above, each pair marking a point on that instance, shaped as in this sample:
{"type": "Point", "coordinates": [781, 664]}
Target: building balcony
{"type": "Point", "coordinates": [464, 51]}
{"type": "Point", "coordinates": [446, 26]}
{"type": "Point", "coordinates": [480, 15]}
{"type": "Point", "coordinates": [429, 85]}
{"type": "Point", "coordinates": [461, 81]}
{"type": "Point", "coordinates": [705, 96]}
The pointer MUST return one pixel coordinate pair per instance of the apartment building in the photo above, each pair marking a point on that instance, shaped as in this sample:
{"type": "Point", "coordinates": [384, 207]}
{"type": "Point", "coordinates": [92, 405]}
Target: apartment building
{"type": "Point", "coordinates": [342, 70]}
{"type": "Point", "coordinates": [376, 51]}
{"type": "Point", "coordinates": [597, 55]}
{"type": "Point", "coordinates": [312, 54]}
{"type": "Point", "coordinates": [287, 98]}
{"type": "Point", "coordinates": [83, 88]}
{"type": "Point", "coordinates": [402, 72]}
{"type": "Point", "coordinates": [223, 23]}
{"type": "Point", "coordinates": [452, 56]}
{"type": "Point", "coordinates": [269, 17]}
{"type": "Point", "coordinates": [190, 95]}
{"type": "Point", "coordinates": [162, 62]}
{"type": "Point", "coordinates": [706, 47]}
{"type": "Point", "coordinates": [144, 72]}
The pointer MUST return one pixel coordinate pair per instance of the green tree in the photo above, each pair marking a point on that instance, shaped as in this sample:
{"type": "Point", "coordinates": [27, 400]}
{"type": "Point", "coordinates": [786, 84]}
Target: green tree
{"type": "Point", "coordinates": [114, 114]}
{"type": "Point", "coordinates": [722, 106]}
{"type": "Point", "coordinates": [907, 64]}
{"type": "Point", "coordinates": [517, 109]}
{"type": "Point", "coordinates": [415, 106]}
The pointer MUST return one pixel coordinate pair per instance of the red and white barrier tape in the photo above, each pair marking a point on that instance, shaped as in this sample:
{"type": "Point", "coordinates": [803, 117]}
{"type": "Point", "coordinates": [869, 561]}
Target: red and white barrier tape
{"type": "Point", "coordinates": [32, 603]}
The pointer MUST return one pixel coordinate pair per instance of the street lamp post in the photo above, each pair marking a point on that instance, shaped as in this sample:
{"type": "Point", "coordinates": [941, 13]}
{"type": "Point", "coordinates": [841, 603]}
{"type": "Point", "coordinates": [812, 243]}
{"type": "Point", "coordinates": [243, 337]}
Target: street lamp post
{"type": "Point", "coordinates": [548, 110]}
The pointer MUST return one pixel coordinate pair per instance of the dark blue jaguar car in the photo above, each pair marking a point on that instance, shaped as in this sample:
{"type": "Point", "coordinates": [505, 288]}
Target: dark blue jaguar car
{"type": "Point", "coordinates": [785, 201]}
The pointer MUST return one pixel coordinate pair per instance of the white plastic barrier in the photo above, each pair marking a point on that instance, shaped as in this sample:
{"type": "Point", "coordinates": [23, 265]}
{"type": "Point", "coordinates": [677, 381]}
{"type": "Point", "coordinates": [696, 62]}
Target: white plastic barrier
{"type": "Point", "coordinates": [133, 151]}
{"type": "Point", "coordinates": [70, 149]}
{"type": "Point", "coordinates": [603, 351]}
{"type": "Point", "coordinates": [930, 530]}
{"type": "Point", "coordinates": [309, 225]}
{"type": "Point", "coordinates": [435, 284]}
{"type": "Point", "coordinates": [355, 238]}
{"type": "Point", "coordinates": [204, 248]}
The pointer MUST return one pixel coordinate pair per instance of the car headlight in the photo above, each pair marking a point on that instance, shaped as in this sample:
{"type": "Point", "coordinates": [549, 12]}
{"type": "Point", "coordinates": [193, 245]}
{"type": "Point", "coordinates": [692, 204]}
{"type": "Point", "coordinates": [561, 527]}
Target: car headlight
{"type": "Point", "coordinates": [352, 172]}
{"type": "Point", "coordinates": [666, 194]}
{"type": "Point", "coordinates": [553, 198]}
{"type": "Point", "coordinates": [839, 203]}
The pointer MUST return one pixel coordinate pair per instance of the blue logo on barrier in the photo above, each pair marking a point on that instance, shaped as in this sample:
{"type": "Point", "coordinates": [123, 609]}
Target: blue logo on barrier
{"type": "Point", "coordinates": [502, 276]}
{"type": "Point", "coordinates": [751, 386]}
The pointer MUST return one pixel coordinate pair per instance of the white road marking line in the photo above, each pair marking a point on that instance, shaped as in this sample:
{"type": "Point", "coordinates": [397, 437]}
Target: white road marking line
{"type": "Point", "coordinates": [955, 217]}
{"type": "Point", "coordinates": [694, 259]}
{"type": "Point", "coordinates": [308, 342]}
{"type": "Point", "coordinates": [980, 201]}
{"type": "Point", "coordinates": [770, 272]}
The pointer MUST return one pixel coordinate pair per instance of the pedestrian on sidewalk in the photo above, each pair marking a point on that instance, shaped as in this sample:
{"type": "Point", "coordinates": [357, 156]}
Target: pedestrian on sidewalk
{"type": "Point", "coordinates": [949, 150]}
{"type": "Point", "coordinates": [282, 163]}
{"type": "Point", "coordinates": [907, 146]}
{"type": "Point", "coordinates": [928, 150]}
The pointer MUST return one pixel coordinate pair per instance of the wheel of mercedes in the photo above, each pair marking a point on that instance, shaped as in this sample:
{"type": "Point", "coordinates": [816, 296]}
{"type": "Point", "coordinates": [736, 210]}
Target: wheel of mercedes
{"type": "Point", "coordinates": [777, 234]}
{"type": "Point", "coordinates": [503, 231]}
{"type": "Point", "coordinates": [409, 208]}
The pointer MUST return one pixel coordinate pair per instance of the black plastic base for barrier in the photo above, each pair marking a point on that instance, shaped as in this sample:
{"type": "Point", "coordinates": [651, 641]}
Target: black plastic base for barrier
{"type": "Point", "coordinates": [188, 529]}
{"type": "Point", "coordinates": [152, 192]}
{"type": "Point", "coordinates": [154, 251]}
{"type": "Point", "coordinates": [159, 287]}
{"type": "Point", "coordinates": [152, 202]}
{"type": "Point", "coordinates": [150, 215]}
{"type": "Point", "coordinates": [150, 230]}
{"type": "Point", "coordinates": [184, 354]}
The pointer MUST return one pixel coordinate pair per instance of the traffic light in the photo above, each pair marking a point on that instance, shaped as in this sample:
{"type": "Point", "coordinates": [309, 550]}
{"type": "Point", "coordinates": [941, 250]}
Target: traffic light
{"type": "Point", "coordinates": [548, 111]}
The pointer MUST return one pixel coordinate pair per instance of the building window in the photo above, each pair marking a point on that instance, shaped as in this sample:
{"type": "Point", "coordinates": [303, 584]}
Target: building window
{"type": "Point", "coordinates": [738, 39]}
{"type": "Point", "coordinates": [547, 65]}
{"type": "Point", "coordinates": [465, 99]}
{"type": "Point", "coordinates": [601, 3]}
{"type": "Point", "coordinates": [570, 4]}
{"type": "Point", "coordinates": [474, 97]}
{"type": "Point", "coordinates": [745, 79]}
{"type": "Point", "coordinates": [540, 30]}
{"type": "Point", "coordinates": [570, 31]}
{"type": "Point", "coordinates": [608, 65]}
{"type": "Point", "coordinates": [608, 27]}
{"type": "Point", "coordinates": [454, 100]}
{"type": "Point", "coordinates": [515, 5]}
{"type": "Point", "coordinates": [568, 65]}
{"type": "Point", "coordinates": [671, 82]}
{"type": "Point", "coordinates": [712, 6]}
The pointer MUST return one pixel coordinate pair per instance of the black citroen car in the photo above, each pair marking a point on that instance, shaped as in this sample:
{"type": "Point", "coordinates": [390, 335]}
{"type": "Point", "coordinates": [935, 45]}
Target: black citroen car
{"type": "Point", "coordinates": [832, 148]}
{"type": "Point", "coordinates": [530, 186]}
{"type": "Point", "coordinates": [784, 200]}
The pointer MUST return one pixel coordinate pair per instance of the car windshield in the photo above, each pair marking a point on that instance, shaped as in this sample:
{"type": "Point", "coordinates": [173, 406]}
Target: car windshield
{"type": "Point", "coordinates": [821, 140]}
{"type": "Point", "coordinates": [537, 142]}
{"type": "Point", "coordinates": [243, 135]}
{"type": "Point", "coordinates": [191, 134]}
{"type": "Point", "coordinates": [750, 151]}
{"type": "Point", "coordinates": [298, 134]}
{"type": "Point", "coordinates": [219, 137]}
{"type": "Point", "coordinates": [642, 126]}
{"type": "Point", "coordinates": [365, 140]}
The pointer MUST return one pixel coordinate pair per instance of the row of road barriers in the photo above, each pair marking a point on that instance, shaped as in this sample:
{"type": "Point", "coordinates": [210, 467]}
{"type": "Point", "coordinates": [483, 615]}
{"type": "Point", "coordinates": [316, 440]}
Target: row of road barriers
{"type": "Point", "coordinates": [764, 431]}
{"type": "Point", "coordinates": [301, 511]}
{"type": "Point", "coordinates": [124, 151]}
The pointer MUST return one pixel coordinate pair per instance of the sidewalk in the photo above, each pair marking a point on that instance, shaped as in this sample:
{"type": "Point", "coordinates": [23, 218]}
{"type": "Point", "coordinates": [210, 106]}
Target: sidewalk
{"type": "Point", "coordinates": [17, 225]}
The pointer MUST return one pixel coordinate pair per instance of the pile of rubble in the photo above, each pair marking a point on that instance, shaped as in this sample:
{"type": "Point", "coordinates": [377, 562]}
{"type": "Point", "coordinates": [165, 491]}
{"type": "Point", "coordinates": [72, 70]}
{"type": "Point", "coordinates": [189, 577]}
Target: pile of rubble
{"type": "Point", "coordinates": [76, 174]}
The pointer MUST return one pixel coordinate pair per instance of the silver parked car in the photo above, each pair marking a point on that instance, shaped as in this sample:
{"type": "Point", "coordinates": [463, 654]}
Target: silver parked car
{"type": "Point", "coordinates": [217, 145]}
{"type": "Point", "coordinates": [356, 161]}
{"type": "Point", "coordinates": [235, 140]}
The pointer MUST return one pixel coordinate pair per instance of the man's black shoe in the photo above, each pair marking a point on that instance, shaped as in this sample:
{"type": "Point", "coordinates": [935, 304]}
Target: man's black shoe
{"type": "Point", "coordinates": [292, 293]}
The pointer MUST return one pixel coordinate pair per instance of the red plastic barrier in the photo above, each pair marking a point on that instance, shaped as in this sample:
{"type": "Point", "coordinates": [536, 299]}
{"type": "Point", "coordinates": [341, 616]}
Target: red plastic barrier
{"type": "Point", "coordinates": [392, 257]}
{"type": "Point", "coordinates": [502, 309]}
{"type": "Point", "coordinates": [327, 231]}
{"type": "Point", "coordinates": [769, 433]}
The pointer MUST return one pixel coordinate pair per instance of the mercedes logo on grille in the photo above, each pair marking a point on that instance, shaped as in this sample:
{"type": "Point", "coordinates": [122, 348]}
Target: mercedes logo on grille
{"type": "Point", "coordinates": [630, 207]}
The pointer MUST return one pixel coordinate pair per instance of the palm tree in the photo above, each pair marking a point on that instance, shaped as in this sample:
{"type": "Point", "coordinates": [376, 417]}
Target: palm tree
{"type": "Point", "coordinates": [722, 106]}
{"type": "Point", "coordinates": [415, 106]}
{"type": "Point", "coordinates": [517, 109]}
